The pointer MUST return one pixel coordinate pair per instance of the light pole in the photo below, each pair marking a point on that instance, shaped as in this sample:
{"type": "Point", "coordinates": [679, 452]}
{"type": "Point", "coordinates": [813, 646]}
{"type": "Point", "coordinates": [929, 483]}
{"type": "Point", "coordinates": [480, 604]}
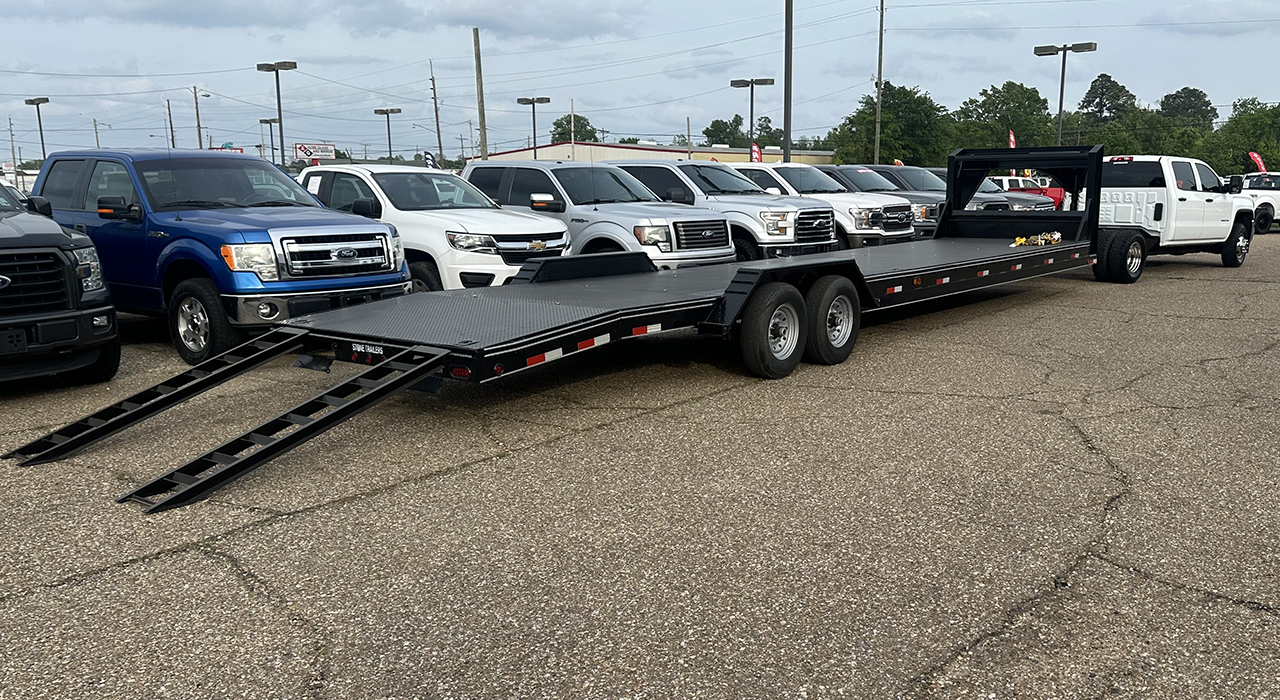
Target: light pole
{"type": "Point", "coordinates": [276, 68]}
{"type": "Point", "coordinates": [196, 94]}
{"type": "Point", "coordinates": [271, 138]}
{"type": "Point", "coordinates": [1062, 86]}
{"type": "Point", "coordinates": [751, 124]}
{"type": "Point", "coordinates": [387, 113]}
{"type": "Point", "coordinates": [37, 101]}
{"type": "Point", "coordinates": [533, 103]}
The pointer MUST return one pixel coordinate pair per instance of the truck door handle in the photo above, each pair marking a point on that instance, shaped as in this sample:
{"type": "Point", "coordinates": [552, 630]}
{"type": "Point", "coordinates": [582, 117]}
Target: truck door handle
{"type": "Point", "coordinates": [81, 228]}
{"type": "Point", "coordinates": [1182, 199]}
{"type": "Point", "coordinates": [1210, 199]}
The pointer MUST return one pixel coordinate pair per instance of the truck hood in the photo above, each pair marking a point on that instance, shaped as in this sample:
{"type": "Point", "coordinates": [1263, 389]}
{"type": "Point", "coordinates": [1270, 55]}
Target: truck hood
{"type": "Point", "coordinates": [766, 201]}
{"type": "Point", "coordinates": [861, 200]}
{"type": "Point", "coordinates": [657, 212]}
{"type": "Point", "coordinates": [917, 197]}
{"type": "Point", "coordinates": [491, 221]}
{"type": "Point", "coordinates": [24, 230]}
{"type": "Point", "coordinates": [265, 218]}
{"type": "Point", "coordinates": [1026, 199]}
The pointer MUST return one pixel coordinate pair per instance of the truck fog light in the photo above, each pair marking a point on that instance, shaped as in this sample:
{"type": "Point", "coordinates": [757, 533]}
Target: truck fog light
{"type": "Point", "coordinates": [101, 321]}
{"type": "Point", "coordinates": [268, 311]}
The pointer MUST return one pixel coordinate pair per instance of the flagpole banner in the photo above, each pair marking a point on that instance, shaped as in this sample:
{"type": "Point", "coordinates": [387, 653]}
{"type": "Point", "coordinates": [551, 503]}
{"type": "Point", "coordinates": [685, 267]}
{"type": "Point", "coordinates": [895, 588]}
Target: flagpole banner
{"type": "Point", "coordinates": [1257, 160]}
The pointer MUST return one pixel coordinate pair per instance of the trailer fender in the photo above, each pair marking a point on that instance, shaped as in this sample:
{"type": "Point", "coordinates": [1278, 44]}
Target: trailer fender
{"type": "Point", "coordinates": [750, 277]}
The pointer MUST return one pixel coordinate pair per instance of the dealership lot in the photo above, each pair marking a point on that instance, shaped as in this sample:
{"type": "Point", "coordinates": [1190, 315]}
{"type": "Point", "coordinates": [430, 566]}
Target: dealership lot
{"type": "Point", "coordinates": [1058, 488]}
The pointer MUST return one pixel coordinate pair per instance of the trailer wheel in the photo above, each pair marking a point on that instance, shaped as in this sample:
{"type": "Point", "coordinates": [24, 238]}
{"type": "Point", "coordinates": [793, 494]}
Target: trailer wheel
{"type": "Point", "coordinates": [1100, 271]}
{"type": "Point", "coordinates": [772, 339]}
{"type": "Point", "coordinates": [1236, 247]}
{"type": "Point", "coordinates": [835, 316]}
{"type": "Point", "coordinates": [1126, 257]}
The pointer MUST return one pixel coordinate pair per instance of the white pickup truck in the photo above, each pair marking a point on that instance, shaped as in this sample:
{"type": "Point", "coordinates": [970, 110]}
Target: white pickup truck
{"type": "Point", "coordinates": [1165, 204]}
{"type": "Point", "coordinates": [1264, 190]}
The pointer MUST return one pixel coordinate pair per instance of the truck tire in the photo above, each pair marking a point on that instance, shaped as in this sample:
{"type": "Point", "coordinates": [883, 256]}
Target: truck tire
{"type": "Point", "coordinates": [772, 338]}
{"type": "Point", "coordinates": [1236, 247]}
{"type": "Point", "coordinates": [746, 249]}
{"type": "Point", "coordinates": [834, 318]}
{"type": "Point", "coordinates": [1100, 272]}
{"type": "Point", "coordinates": [1263, 219]}
{"type": "Point", "coordinates": [1126, 257]}
{"type": "Point", "coordinates": [102, 369]}
{"type": "Point", "coordinates": [425, 276]}
{"type": "Point", "coordinates": [198, 325]}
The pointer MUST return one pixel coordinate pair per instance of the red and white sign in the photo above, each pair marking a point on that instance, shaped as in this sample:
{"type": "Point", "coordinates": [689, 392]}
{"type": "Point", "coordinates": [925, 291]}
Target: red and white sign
{"type": "Point", "coordinates": [1257, 160]}
{"type": "Point", "coordinates": [314, 151]}
{"type": "Point", "coordinates": [755, 153]}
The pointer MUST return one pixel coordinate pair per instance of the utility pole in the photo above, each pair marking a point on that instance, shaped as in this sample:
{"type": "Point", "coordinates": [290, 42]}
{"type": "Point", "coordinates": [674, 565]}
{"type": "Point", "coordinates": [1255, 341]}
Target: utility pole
{"type": "Point", "coordinates": [688, 137]}
{"type": "Point", "coordinates": [471, 137]}
{"type": "Point", "coordinates": [195, 94]}
{"type": "Point", "coordinates": [879, 83]}
{"type": "Point", "coordinates": [573, 132]}
{"type": "Point", "coordinates": [484, 140]}
{"type": "Point", "coordinates": [96, 142]}
{"type": "Point", "coordinates": [436, 103]}
{"type": "Point", "coordinates": [462, 148]}
{"type": "Point", "coordinates": [173, 138]}
{"type": "Point", "coordinates": [786, 87]}
{"type": "Point", "coordinates": [13, 155]}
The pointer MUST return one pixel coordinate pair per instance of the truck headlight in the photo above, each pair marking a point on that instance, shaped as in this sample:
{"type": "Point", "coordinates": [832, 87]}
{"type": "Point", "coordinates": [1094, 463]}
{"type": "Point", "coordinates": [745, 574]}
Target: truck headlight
{"type": "Point", "coordinates": [775, 222]}
{"type": "Point", "coordinates": [654, 235]}
{"type": "Point", "coordinates": [258, 258]}
{"type": "Point", "coordinates": [88, 269]}
{"type": "Point", "coordinates": [861, 218]}
{"type": "Point", "coordinates": [397, 249]}
{"type": "Point", "coordinates": [971, 206]}
{"type": "Point", "coordinates": [1018, 207]}
{"type": "Point", "coordinates": [922, 212]}
{"type": "Point", "coordinates": [472, 242]}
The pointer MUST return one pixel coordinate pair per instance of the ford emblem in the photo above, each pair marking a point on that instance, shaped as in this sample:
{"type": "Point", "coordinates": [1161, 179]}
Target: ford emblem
{"type": "Point", "coordinates": [5, 281]}
{"type": "Point", "coordinates": [346, 253]}
{"type": "Point", "coordinates": [708, 233]}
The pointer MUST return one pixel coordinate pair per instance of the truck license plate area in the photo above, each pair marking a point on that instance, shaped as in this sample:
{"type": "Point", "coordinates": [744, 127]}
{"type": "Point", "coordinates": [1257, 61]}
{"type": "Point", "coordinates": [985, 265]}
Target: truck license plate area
{"type": "Point", "coordinates": [361, 353]}
{"type": "Point", "coordinates": [12, 341]}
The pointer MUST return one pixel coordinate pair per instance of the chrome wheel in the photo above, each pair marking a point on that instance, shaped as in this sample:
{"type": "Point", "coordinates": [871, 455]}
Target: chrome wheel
{"type": "Point", "coordinates": [419, 286]}
{"type": "Point", "coordinates": [784, 331]}
{"type": "Point", "coordinates": [1242, 247]}
{"type": "Point", "coordinates": [1134, 257]}
{"type": "Point", "coordinates": [193, 325]}
{"type": "Point", "coordinates": [840, 321]}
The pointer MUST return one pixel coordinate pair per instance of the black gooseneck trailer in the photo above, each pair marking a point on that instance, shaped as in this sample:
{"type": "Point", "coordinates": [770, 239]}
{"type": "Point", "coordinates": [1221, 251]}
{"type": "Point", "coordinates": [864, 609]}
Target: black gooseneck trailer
{"type": "Point", "coordinates": [778, 311]}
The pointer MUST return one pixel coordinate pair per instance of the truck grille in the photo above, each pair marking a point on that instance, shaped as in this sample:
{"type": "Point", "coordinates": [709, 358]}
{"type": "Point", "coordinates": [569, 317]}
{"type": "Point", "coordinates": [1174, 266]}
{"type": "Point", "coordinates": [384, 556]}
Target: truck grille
{"type": "Point", "coordinates": [1046, 206]}
{"type": "Point", "coordinates": [698, 235]}
{"type": "Point", "coordinates": [997, 206]}
{"type": "Point", "coordinates": [814, 226]}
{"type": "Point", "coordinates": [37, 283]}
{"type": "Point", "coordinates": [334, 256]}
{"type": "Point", "coordinates": [893, 219]}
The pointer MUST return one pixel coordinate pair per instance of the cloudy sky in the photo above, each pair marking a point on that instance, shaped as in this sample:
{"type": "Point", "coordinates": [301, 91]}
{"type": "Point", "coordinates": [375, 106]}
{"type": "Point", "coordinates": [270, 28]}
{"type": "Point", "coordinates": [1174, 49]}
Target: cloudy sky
{"type": "Point", "coordinates": [636, 69]}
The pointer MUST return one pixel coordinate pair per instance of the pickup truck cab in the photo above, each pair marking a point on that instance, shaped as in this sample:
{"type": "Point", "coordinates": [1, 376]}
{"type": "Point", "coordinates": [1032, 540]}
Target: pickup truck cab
{"type": "Point", "coordinates": [761, 225]}
{"type": "Point", "coordinates": [55, 316]}
{"type": "Point", "coordinates": [862, 219]}
{"type": "Point", "coordinates": [925, 206]}
{"type": "Point", "coordinates": [916, 179]}
{"type": "Point", "coordinates": [454, 236]}
{"type": "Point", "coordinates": [1264, 190]}
{"type": "Point", "coordinates": [221, 244]}
{"type": "Point", "coordinates": [607, 210]}
{"type": "Point", "coordinates": [1027, 185]}
{"type": "Point", "coordinates": [1166, 204]}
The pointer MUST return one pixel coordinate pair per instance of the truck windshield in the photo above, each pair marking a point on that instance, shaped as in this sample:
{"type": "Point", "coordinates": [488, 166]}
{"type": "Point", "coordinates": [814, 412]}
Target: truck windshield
{"type": "Point", "coordinates": [421, 191]}
{"type": "Point", "coordinates": [867, 180]}
{"type": "Point", "coordinates": [989, 186]}
{"type": "Point", "coordinates": [809, 180]}
{"type": "Point", "coordinates": [171, 184]}
{"type": "Point", "coordinates": [1132, 173]}
{"type": "Point", "coordinates": [1262, 182]}
{"type": "Point", "coordinates": [922, 180]}
{"type": "Point", "coordinates": [720, 179]}
{"type": "Point", "coordinates": [9, 201]}
{"type": "Point", "coordinates": [602, 185]}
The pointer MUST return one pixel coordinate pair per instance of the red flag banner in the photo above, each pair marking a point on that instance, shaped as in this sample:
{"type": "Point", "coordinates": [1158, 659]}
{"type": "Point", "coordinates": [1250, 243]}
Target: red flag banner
{"type": "Point", "coordinates": [755, 153]}
{"type": "Point", "coordinates": [898, 162]}
{"type": "Point", "coordinates": [1013, 140]}
{"type": "Point", "coordinates": [1257, 160]}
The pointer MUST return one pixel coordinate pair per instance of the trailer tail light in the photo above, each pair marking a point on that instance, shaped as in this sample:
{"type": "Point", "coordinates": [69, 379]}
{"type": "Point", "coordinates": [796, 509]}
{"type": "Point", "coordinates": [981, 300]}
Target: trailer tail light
{"type": "Point", "coordinates": [460, 372]}
{"type": "Point", "coordinates": [498, 369]}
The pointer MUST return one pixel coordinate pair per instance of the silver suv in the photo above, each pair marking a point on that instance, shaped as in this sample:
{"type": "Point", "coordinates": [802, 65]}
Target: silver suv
{"type": "Point", "coordinates": [762, 225]}
{"type": "Point", "coordinates": [607, 210]}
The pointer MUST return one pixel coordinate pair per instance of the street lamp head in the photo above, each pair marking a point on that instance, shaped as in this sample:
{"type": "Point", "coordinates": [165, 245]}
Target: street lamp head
{"type": "Point", "coordinates": [385, 112]}
{"type": "Point", "coordinates": [272, 120]}
{"type": "Point", "coordinates": [1085, 47]}
{"type": "Point", "coordinates": [763, 81]}
{"type": "Point", "coordinates": [739, 83]}
{"type": "Point", "coordinates": [542, 100]}
{"type": "Point", "coordinates": [524, 100]}
{"type": "Point", "coordinates": [267, 67]}
{"type": "Point", "coordinates": [37, 100]}
{"type": "Point", "coordinates": [277, 66]}
{"type": "Point", "coordinates": [1047, 50]}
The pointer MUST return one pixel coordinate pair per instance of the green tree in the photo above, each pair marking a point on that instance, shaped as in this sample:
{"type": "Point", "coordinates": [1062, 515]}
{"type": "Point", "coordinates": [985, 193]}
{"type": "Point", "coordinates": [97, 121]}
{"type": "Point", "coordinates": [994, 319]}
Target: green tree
{"type": "Point", "coordinates": [985, 121]}
{"type": "Point", "coordinates": [582, 129]}
{"type": "Point", "coordinates": [914, 129]}
{"type": "Point", "coordinates": [1190, 107]}
{"type": "Point", "coordinates": [727, 132]}
{"type": "Point", "coordinates": [629, 139]}
{"type": "Point", "coordinates": [1107, 99]}
{"type": "Point", "coordinates": [1252, 127]}
{"type": "Point", "coordinates": [766, 134]}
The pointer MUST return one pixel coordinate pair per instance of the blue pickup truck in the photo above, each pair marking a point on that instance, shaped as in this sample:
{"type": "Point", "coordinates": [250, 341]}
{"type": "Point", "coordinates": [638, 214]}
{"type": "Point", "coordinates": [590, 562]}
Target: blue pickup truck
{"type": "Point", "coordinates": [221, 244]}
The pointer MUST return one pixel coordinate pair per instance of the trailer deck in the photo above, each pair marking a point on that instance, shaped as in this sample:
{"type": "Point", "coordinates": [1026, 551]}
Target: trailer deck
{"type": "Point", "coordinates": [556, 307]}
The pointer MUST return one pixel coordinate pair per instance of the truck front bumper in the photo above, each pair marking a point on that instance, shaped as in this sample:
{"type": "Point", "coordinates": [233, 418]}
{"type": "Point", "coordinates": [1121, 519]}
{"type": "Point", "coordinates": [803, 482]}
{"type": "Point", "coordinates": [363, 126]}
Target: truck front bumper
{"type": "Point", "coordinates": [266, 309]}
{"type": "Point", "coordinates": [33, 346]}
{"type": "Point", "coordinates": [786, 250]}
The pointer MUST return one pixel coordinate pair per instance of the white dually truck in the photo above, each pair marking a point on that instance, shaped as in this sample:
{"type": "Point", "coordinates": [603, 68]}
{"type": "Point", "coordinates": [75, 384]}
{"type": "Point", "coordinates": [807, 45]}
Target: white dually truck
{"type": "Point", "coordinates": [1168, 205]}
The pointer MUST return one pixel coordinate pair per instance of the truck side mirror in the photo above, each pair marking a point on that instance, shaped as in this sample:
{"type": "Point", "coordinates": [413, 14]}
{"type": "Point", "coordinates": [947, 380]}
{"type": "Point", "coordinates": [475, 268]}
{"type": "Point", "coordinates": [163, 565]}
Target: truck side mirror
{"type": "Point", "coordinates": [545, 203]}
{"type": "Point", "coordinates": [113, 206]}
{"type": "Point", "coordinates": [366, 207]}
{"type": "Point", "coordinates": [773, 191]}
{"type": "Point", "coordinates": [1235, 184]}
{"type": "Point", "coordinates": [677, 195]}
{"type": "Point", "coordinates": [39, 205]}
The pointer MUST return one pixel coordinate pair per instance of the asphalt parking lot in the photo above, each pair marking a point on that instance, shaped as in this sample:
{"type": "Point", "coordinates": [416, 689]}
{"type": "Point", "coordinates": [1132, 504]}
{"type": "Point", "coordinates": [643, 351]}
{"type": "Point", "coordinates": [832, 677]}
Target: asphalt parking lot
{"type": "Point", "coordinates": [1057, 489]}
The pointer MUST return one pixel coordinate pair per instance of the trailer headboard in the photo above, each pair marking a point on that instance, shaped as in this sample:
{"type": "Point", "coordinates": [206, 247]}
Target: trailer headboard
{"type": "Point", "coordinates": [1077, 168]}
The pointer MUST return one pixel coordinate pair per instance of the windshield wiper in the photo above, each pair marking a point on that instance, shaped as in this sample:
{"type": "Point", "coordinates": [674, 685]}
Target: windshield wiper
{"type": "Point", "coordinates": [277, 203]}
{"type": "Point", "coordinates": [201, 203]}
{"type": "Point", "coordinates": [601, 201]}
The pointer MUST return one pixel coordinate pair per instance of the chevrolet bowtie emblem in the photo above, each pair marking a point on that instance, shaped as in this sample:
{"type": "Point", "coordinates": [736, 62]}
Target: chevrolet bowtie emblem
{"type": "Point", "coordinates": [537, 245]}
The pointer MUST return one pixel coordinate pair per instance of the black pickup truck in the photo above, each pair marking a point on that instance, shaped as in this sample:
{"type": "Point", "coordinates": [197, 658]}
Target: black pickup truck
{"type": "Point", "coordinates": [55, 315]}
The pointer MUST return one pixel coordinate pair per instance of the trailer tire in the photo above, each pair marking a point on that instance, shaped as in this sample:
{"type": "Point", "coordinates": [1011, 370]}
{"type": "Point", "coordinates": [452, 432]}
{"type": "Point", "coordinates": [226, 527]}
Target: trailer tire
{"type": "Point", "coordinates": [1236, 247]}
{"type": "Point", "coordinates": [772, 338]}
{"type": "Point", "coordinates": [834, 319]}
{"type": "Point", "coordinates": [198, 325]}
{"type": "Point", "coordinates": [425, 276]}
{"type": "Point", "coordinates": [1100, 272]}
{"type": "Point", "coordinates": [1126, 257]}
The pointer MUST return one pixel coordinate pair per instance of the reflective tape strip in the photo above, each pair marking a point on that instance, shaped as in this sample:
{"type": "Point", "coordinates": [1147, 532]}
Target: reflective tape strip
{"type": "Point", "coordinates": [1016, 267]}
{"type": "Point", "coordinates": [893, 290]}
{"type": "Point", "coordinates": [1048, 261]}
{"type": "Point", "coordinates": [645, 330]}
{"type": "Point", "coordinates": [984, 273]}
{"type": "Point", "coordinates": [944, 280]}
{"type": "Point", "coordinates": [545, 357]}
{"type": "Point", "coordinates": [1074, 256]}
{"type": "Point", "coordinates": [593, 342]}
